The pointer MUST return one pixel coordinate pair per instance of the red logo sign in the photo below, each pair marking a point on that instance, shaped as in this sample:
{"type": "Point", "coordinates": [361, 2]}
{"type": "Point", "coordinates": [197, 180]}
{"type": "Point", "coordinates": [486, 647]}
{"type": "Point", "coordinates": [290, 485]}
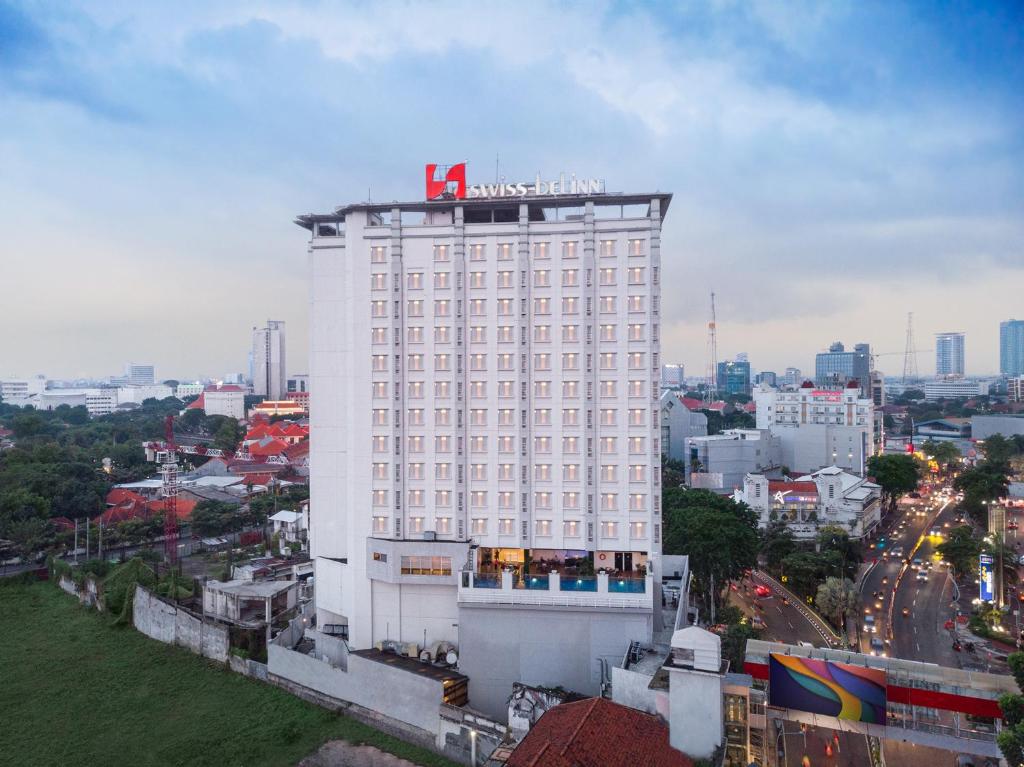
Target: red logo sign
{"type": "Point", "coordinates": [456, 174]}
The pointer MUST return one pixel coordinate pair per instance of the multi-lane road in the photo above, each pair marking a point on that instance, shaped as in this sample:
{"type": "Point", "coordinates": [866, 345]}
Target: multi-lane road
{"type": "Point", "coordinates": [910, 611]}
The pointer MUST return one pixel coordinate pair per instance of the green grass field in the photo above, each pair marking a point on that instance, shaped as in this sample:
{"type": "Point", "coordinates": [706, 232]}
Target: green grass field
{"type": "Point", "coordinates": [76, 690]}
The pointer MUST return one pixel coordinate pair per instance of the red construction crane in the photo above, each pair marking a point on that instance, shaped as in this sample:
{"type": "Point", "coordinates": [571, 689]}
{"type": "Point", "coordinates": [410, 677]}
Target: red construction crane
{"type": "Point", "coordinates": [169, 470]}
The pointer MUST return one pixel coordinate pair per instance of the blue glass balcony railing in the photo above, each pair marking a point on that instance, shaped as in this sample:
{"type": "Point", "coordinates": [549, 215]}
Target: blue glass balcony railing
{"type": "Point", "coordinates": [581, 583]}
{"type": "Point", "coordinates": [533, 583]}
{"type": "Point", "coordinates": [486, 581]}
{"type": "Point", "coordinates": [627, 585]}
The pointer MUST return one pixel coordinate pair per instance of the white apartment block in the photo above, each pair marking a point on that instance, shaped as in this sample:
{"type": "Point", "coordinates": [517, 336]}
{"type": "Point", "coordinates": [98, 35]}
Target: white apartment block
{"type": "Point", "coordinates": [820, 427]}
{"type": "Point", "coordinates": [268, 360]}
{"type": "Point", "coordinates": [139, 394]}
{"type": "Point", "coordinates": [183, 390]}
{"type": "Point", "coordinates": [19, 391]}
{"type": "Point", "coordinates": [954, 388]}
{"type": "Point", "coordinates": [486, 430]}
{"type": "Point", "coordinates": [139, 375]}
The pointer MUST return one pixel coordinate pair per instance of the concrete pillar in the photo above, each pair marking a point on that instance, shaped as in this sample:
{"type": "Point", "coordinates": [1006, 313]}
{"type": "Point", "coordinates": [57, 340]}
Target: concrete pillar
{"type": "Point", "coordinates": [602, 583]}
{"type": "Point", "coordinates": [554, 582]}
{"type": "Point", "coordinates": [506, 580]}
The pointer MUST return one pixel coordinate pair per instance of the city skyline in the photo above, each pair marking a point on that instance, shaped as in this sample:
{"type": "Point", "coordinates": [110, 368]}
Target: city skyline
{"type": "Point", "coordinates": [157, 151]}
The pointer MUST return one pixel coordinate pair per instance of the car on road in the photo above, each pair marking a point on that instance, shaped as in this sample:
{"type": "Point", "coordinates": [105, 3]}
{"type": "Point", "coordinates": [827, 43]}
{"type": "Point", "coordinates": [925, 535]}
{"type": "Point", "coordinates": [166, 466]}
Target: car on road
{"type": "Point", "coordinates": [762, 591]}
{"type": "Point", "coordinates": [885, 579]}
{"type": "Point", "coordinates": [878, 647]}
{"type": "Point", "coordinates": [935, 532]}
{"type": "Point", "coordinates": [922, 576]}
{"type": "Point", "coordinates": [869, 624]}
{"type": "Point", "coordinates": [1012, 525]}
{"type": "Point", "coordinates": [905, 612]}
{"type": "Point", "coordinates": [917, 563]}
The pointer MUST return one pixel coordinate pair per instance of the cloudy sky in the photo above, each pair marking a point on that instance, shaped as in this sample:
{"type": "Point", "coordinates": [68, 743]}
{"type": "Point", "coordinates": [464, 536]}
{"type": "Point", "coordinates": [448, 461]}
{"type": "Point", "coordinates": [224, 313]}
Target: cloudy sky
{"type": "Point", "coordinates": [835, 165]}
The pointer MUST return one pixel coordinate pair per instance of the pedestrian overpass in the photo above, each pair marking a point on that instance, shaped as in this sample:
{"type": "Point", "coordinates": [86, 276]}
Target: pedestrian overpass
{"type": "Point", "coordinates": [887, 698]}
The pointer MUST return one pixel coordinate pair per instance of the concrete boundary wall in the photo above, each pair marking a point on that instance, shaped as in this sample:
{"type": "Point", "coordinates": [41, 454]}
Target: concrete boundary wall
{"type": "Point", "coordinates": [172, 624]}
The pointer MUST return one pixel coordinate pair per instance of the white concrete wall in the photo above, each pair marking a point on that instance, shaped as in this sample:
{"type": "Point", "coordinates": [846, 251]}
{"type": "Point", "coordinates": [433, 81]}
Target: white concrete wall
{"type": "Point", "coordinates": [695, 712]}
{"type": "Point", "coordinates": [409, 698]}
{"type": "Point", "coordinates": [404, 612]}
{"type": "Point", "coordinates": [165, 623]}
{"type": "Point", "coordinates": [543, 647]}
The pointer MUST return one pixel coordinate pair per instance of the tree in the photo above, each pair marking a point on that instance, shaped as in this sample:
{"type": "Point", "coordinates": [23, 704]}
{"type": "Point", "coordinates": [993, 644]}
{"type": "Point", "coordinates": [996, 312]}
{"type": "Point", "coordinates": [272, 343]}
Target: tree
{"type": "Point", "coordinates": [961, 549]}
{"type": "Point", "coordinates": [943, 453]}
{"type": "Point", "coordinates": [777, 543]}
{"type": "Point", "coordinates": [214, 518]}
{"type": "Point", "coordinates": [804, 571]}
{"type": "Point", "coordinates": [228, 435]}
{"type": "Point", "coordinates": [673, 472]}
{"type": "Point", "coordinates": [835, 540]}
{"type": "Point", "coordinates": [718, 534]}
{"type": "Point", "coordinates": [998, 450]}
{"type": "Point", "coordinates": [897, 474]}
{"type": "Point", "coordinates": [836, 598]}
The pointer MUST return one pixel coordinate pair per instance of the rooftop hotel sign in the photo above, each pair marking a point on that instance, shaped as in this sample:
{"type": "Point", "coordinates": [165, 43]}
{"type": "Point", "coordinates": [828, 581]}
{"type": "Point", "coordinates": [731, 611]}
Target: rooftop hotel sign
{"type": "Point", "coordinates": [451, 184]}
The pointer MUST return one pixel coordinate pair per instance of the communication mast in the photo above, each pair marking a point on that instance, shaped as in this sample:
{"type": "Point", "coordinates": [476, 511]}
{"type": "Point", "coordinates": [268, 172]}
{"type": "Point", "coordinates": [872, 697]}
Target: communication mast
{"type": "Point", "coordinates": [168, 459]}
{"type": "Point", "coordinates": [712, 372]}
{"type": "Point", "coordinates": [910, 354]}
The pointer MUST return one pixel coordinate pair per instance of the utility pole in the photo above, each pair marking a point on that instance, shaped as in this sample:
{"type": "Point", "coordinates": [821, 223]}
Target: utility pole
{"type": "Point", "coordinates": [76, 540]}
{"type": "Point", "coordinates": [100, 550]}
{"type": "Point", "coordinates": [86, 539]}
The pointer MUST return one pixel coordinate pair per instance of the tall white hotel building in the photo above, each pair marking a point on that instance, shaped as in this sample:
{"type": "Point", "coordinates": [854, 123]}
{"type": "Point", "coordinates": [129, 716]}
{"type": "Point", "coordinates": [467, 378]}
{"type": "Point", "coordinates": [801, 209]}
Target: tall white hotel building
{"type": "Point", "coordinates": [485, 438]}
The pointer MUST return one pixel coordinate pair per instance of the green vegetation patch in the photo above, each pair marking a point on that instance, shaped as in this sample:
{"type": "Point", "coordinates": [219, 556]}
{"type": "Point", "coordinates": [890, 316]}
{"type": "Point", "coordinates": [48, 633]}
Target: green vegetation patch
{"type": "Point", "coordinates": [78, 690]}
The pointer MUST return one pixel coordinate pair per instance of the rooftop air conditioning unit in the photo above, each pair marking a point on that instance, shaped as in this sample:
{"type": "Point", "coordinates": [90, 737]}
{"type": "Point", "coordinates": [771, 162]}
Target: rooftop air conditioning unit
{"type": "Point", "coordinates": [430, 535]}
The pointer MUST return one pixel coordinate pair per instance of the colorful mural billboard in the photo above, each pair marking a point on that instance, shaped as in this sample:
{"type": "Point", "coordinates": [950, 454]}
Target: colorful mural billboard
{"type": "Point", "coordinates": [825, 687]}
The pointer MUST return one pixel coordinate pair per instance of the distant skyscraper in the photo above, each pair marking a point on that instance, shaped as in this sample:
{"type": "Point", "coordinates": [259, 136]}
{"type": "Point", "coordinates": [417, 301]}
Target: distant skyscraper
{"type": "Point", "coordinates": [139, 375]}
{"type": "Point", "coordinates": [268, 360]}
{"type": "Point", "coordinates": [792, 377]}
{"type": "Point", "coordinates": [767, 377]}
{"type": "Point", "coordinates": [1011, 348]}
{"type": "Point", "coordinates": [672, 376]}
{"type": "Point", "coordinates": [836, 367]}
{"type": "Point", "coordinates": [949, 354]}
{"type": "Point", "coordinates": [734, 377]}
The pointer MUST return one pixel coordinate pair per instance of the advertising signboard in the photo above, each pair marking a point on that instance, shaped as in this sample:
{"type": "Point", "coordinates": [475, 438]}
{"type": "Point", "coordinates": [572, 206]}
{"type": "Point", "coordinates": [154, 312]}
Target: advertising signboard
{"type": "Point", "coordinates": [987, 576]}
{"type": "Point", "coordinates": [826, 687]}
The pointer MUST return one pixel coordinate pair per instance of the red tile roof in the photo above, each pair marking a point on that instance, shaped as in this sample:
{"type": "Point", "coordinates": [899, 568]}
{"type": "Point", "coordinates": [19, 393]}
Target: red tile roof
{"type": "Point", "coordinates": [267, 447]}
{"type": "Point", "coordinates": [597, 733]}
{"type": "Point", "coordinates": [792, 487]}
{"type": "Point", "coordinates": [199, 403]}
{"type": "Point", "coordinates": [124, 505]}
{"type": "Point", "coordinates": [691, 403]}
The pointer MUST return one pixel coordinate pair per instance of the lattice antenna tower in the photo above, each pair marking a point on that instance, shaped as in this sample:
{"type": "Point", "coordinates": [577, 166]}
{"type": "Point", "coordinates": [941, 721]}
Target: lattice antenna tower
{"type": "Point", "coordinates": [712, 372]}
{"type": "Point", "coordinates": [910, 354]}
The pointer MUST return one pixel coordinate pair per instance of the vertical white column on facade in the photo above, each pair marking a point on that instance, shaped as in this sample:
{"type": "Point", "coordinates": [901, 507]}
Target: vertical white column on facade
{"type": "Point", "coordinates": [524, 326]}
{"type": "Point", "coordinates": [654, 424]}
{"type": "Point", "coordinates": [461, 375]}
{"type": "Point", "coordinates": [398, 382]}
{"type": "Point", "coordinates": [591, 464]}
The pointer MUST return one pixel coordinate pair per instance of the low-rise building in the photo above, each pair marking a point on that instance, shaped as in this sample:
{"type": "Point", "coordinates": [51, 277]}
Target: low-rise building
{"type": "Point", "coordinates": [721, 461]}
{"type": "Point", "coordinates": [270, 408]}
{"type": "Point", "coordinates": [680, 421]}
{"type": "Point", "coordinates": [183, 390]}
{"type": "Point", "coordinates": [17, 391]}
{"type": "Point", "coordinates": [830, 496]}
{"type": "Point", "coordinates": [944, 429]}
{"type": "Point", "coordinates": [1015, 389]}
{"type": "Point", "coordinates": [223, 399]}
{"type": "Point", "coordinates": [249, 602]}
{"type": "Point", "coordinates": [984, 426]}
{"type": "Point", "coordinates": [954, 388]}
{"type": "Point", "coordinates": [139, 394]}
{"type": "Point", "coordinates": [291, 526]}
